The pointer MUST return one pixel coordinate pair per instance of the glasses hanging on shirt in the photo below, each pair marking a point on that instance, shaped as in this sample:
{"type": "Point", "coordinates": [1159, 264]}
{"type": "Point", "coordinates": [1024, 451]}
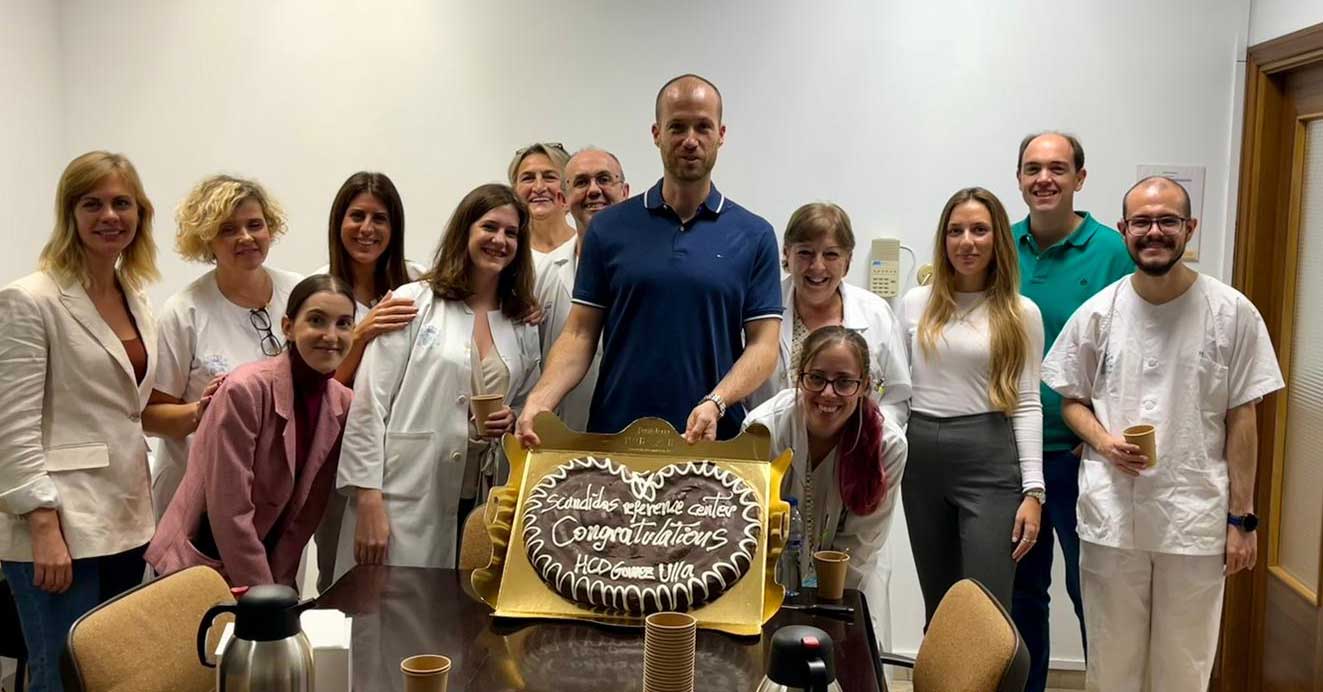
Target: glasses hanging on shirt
{"type": "Point", "coordinates": [261, 321]}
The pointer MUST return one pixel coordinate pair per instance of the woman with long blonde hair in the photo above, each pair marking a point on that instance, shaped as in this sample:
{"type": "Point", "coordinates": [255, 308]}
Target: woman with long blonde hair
{"type": "Point", "coordinates": [974, 486]}
{"type": "Point", "coordinates": [77, 353]}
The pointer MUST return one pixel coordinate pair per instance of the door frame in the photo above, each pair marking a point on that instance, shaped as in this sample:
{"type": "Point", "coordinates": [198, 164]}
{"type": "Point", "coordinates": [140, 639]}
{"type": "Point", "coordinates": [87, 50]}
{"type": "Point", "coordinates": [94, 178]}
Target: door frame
{"type": "Point", "coordinates": [1267, 219]}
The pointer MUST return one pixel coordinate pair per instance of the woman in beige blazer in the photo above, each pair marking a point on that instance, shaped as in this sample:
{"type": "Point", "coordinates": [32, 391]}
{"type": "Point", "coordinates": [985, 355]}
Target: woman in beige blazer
{"type": "Point", "coordinates": [77, 349]}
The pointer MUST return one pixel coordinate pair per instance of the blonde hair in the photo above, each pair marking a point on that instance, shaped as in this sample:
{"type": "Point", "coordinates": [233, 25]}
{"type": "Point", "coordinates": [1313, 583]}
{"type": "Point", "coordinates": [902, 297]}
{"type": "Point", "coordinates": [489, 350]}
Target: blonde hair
{"type": "Point", "coordinates": [1009, 339]}
{"type": "Point", "coordinates": [213, 201]}
{"type": "Point", "coordinates": [63, 256]}
{"type": "Point", "coordinates": [554, 152]}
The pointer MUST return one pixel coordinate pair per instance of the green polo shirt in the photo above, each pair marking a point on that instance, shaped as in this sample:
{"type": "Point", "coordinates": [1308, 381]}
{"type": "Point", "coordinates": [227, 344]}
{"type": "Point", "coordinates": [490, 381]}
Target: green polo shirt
{"type": "Point", "coordinates": [1059, 280]}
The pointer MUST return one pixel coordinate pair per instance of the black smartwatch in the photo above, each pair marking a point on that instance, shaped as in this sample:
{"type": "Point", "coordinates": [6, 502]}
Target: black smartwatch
{"type": "Point", "coordinates": [1244, 522]}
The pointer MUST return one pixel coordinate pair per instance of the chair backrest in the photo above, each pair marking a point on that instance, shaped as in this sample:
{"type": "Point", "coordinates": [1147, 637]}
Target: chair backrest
{"type": "Point", "coordinates": [475, 548]}
{"type": "Point", "coordinates": [145, 640]}
{"type": "Point", "coordinates": [971, 645]}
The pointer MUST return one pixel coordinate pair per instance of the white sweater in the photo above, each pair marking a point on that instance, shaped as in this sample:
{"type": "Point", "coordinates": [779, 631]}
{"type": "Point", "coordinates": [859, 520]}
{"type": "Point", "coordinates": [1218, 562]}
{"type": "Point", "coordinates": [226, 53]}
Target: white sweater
{"type": "Point", "coordinates": [955, 381]}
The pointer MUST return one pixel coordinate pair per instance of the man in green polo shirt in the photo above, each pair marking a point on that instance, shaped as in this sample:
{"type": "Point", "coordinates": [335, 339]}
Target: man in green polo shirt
{"type": "Point", "coordinates": [1066, 256]}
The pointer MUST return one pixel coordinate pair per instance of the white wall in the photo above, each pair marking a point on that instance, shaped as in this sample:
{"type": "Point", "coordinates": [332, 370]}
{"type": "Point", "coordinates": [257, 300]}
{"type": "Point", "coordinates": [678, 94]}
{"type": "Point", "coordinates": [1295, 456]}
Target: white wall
{"type": "Point", "coordinates": [1270, 19]}
{"type": "Point", "coordinates": [31, 127]}
{"type": "Point", "coordinates": [883, 107]}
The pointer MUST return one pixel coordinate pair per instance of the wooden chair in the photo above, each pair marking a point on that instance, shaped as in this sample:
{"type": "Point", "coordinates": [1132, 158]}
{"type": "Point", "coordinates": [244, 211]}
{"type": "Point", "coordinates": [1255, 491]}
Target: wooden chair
{"type": "Point", "coordinates": [475, 547]}
{"type": "Point", "coordinates": [145, 639]}
{"type": "Point", "coordinates": [971, 646]}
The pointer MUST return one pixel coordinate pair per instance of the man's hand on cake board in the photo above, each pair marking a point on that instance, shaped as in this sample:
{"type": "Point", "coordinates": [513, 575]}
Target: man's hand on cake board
{"type": "Point", "coordinates": [702, 424]}
{"type": "Point", "coordinates": [524, 426]}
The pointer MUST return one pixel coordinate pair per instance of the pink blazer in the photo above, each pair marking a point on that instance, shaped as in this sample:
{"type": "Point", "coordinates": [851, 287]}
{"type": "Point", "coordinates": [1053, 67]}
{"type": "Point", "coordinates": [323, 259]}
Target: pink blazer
{"type": "Point", "coordinates": [241, 474]}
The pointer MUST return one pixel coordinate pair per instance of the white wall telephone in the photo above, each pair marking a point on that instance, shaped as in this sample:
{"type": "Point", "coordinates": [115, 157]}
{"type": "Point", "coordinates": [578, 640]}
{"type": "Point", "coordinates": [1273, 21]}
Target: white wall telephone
{"type": "Point", "coordinates": [884, 267]}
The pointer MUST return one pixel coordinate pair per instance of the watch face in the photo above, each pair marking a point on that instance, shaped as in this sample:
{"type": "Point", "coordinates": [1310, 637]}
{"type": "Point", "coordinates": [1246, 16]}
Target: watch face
{"type": "Point", "coordinates": [1251, 522]}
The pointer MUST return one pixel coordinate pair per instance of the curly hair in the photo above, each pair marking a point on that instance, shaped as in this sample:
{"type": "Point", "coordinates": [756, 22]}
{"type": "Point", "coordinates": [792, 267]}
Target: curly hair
{"type": "Point", "coordinates": [213, 201]}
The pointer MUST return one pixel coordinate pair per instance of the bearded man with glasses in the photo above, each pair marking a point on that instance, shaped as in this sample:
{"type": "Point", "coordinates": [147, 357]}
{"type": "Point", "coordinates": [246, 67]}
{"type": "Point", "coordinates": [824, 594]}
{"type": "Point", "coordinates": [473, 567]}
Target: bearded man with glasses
{"type": "Point", "coordinates": [1190, 356]}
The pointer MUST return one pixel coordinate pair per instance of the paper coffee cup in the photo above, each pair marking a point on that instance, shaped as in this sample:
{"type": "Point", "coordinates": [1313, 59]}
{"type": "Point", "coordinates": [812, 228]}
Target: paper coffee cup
{"type": "Point", "coordinates": [1144, 437]}
{"type": "Point", "coordinates": [484, 405]}
{"type": "Point", "coordinates": [425, 673]}
{"type": "Point", "coordinates": [830, 566]}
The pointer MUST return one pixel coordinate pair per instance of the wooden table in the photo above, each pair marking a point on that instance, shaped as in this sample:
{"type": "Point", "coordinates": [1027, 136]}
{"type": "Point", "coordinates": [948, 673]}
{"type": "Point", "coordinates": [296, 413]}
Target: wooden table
{"type": "Point", "coordinates": [401, 611]}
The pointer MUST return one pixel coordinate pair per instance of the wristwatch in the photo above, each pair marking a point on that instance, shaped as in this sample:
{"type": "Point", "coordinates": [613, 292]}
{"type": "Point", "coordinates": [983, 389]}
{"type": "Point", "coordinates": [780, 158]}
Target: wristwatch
{"type": "Point", "coordinates": [1245, 522]}
{"type": "Point", "coordinates": [716, 399]}
{"type": "Point", "coordinates": [1038, 494]}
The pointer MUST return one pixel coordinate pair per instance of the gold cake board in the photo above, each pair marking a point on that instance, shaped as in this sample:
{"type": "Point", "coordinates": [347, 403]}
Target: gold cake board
{"type": "Point", "coordinates": [510, 586]}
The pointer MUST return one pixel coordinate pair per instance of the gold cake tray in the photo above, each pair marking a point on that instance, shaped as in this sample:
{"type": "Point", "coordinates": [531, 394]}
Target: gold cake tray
{"type": "Point", "coordinates": [509, 584]}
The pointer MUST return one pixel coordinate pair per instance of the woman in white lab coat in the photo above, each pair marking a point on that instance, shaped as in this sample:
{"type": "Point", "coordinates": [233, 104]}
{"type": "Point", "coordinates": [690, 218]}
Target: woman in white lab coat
{"type": "Point", "coordinates": [817, 249]}
{"type": "Point", "coordinates": [413, 461]}
{"type": "Point", "coordinates": [848, 459]}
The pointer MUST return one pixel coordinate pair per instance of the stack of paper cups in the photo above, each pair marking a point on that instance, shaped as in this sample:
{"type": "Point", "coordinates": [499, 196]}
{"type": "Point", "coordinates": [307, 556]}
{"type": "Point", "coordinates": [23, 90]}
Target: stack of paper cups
{"type": "Point", "coordinates": [668, 652]}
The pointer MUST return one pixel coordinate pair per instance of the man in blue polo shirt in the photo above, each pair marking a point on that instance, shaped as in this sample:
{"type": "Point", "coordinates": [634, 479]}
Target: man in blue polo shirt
{"type": "Point", "coordinates": [681, 284]}
{"type": "Point", "coordinates": [1065, 257]}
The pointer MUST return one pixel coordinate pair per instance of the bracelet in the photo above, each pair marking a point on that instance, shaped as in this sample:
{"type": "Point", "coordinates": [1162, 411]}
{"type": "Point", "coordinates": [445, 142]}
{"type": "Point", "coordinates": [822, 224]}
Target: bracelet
{"type": "Point", "coordinates": [1037, 493]}
{"type": "Point", "coordinates": [716, 399]}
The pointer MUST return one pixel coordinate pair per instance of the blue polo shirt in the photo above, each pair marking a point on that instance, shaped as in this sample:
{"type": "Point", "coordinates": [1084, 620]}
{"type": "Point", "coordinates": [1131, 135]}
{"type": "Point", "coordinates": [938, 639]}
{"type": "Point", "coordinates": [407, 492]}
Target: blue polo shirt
{"type": "Point", "coordinates": [675, 297]}
{"type": "Point", "coordinates": [1059, 279]}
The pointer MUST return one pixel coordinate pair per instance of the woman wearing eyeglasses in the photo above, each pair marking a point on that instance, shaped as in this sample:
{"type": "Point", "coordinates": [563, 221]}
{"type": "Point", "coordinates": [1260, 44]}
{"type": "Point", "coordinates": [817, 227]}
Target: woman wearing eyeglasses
{"type": "Point", "coordinates": [536, 173]}
{"type": "Point", "coordinates": [220, 321]}
{"type": "Point", "coordinates": [414, 461]}
{"type": "Point", "coordinates": [974, 483]}
{"type": "Point", "coordinates": [848, 459]}
{"type": "Point", "coordinates": [818, 245]}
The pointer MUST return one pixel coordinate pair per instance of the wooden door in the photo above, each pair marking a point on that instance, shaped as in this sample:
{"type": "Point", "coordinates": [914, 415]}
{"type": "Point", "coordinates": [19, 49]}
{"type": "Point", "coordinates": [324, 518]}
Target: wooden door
{"type": "Point", "coordinates": [1272, 637]}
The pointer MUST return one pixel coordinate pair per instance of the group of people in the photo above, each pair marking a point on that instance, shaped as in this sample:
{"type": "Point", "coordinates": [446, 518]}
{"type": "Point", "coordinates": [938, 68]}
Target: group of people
{"type": "Point", "coordinates": [339, 407]}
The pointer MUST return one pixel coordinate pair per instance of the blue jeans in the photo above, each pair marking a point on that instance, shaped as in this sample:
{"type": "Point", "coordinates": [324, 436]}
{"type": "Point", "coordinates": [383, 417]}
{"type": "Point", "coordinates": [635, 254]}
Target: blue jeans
{"type": "Point", "coordinates": [47, 617]}
{"type": "Point", "coordinates": [1033, 576]}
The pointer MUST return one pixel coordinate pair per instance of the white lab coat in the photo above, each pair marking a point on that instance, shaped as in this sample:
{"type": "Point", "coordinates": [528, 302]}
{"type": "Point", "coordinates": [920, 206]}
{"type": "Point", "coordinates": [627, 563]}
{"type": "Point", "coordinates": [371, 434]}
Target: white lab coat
{"type": "Point", "coordinates": [407, 430]}
{"type": "Point", "coordinates": [1179, 366]}
{"type": "Point", "coordinates": [873, 318]}
{"type": "Point", "coordinates": [864, 537]}
{"type": "Point", "coordinates": [1152, 547]}
{"type": "Point", "coordinates": [554, 291]}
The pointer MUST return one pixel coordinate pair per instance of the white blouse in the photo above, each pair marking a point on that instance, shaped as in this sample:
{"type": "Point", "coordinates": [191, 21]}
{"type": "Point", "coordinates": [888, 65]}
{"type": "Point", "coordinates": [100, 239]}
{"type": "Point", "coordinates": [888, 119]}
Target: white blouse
{"type": "Point", "coordinates": [954, 381]}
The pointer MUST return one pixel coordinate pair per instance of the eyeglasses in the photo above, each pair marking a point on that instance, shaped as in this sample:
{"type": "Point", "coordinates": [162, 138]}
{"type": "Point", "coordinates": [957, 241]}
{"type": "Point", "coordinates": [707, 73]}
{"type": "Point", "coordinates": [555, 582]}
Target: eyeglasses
{"type": "Point", "coordinates": [545, 145]}
{"type": "Point", "coordinates": [844, 386]}
{"type": "Point", "coordinates": [1171, 225]}
{"type": "Point", "coordinates": [581, 182]}
{"type": "Point", "coordinates": [261, 321]}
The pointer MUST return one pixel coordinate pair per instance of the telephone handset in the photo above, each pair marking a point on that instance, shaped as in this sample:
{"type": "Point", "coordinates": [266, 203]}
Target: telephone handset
{"type": "Point", "coordinates": [884, 267]}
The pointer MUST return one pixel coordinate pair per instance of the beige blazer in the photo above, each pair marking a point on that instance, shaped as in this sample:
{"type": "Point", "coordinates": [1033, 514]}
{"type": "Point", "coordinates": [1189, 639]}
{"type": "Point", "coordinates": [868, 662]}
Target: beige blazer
{"type": "Point", "coordinates": [71, 428]}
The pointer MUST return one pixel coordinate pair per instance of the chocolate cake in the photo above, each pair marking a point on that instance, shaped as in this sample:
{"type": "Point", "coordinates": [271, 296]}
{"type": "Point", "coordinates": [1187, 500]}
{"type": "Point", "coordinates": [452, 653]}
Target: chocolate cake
{"type": "Point", "coordinates": [605, 536]}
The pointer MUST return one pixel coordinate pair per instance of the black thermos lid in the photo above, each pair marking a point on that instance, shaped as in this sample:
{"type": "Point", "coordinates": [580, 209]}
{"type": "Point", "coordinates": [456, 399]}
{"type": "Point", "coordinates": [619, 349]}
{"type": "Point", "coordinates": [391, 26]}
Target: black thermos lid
{"type": "Point", "coordinates": [267, 613]}
{"type": "Point", "coordinates": [792, 647]}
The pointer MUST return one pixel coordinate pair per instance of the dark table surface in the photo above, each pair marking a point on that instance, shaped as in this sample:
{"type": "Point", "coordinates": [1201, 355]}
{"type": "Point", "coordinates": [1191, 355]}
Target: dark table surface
{"type": "Point", "coordinates": [401, 611]}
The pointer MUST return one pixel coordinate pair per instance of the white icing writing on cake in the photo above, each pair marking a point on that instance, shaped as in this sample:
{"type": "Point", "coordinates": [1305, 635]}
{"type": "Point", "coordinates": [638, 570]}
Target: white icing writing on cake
{"type": "Point", "coordinates": [670, 572]}
{"type": "Point", "coordinates": [669, 534]}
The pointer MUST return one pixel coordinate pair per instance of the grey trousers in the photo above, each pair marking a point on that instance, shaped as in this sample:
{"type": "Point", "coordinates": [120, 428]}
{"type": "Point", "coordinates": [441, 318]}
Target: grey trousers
{"type": "Point", "coordinates": [961, 491]}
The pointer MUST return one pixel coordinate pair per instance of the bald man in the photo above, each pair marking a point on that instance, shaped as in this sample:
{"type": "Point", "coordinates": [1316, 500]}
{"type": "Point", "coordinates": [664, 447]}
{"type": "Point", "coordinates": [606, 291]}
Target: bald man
{"type": "Point", "coordinates": [1189, 355]}
{"type": "Point", "coordinates": [680, 284]}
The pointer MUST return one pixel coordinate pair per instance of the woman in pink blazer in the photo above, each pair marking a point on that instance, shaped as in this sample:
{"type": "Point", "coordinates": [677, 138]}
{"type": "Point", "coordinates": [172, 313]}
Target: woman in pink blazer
{"type": "Point", "coordinates": [263, 461]}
